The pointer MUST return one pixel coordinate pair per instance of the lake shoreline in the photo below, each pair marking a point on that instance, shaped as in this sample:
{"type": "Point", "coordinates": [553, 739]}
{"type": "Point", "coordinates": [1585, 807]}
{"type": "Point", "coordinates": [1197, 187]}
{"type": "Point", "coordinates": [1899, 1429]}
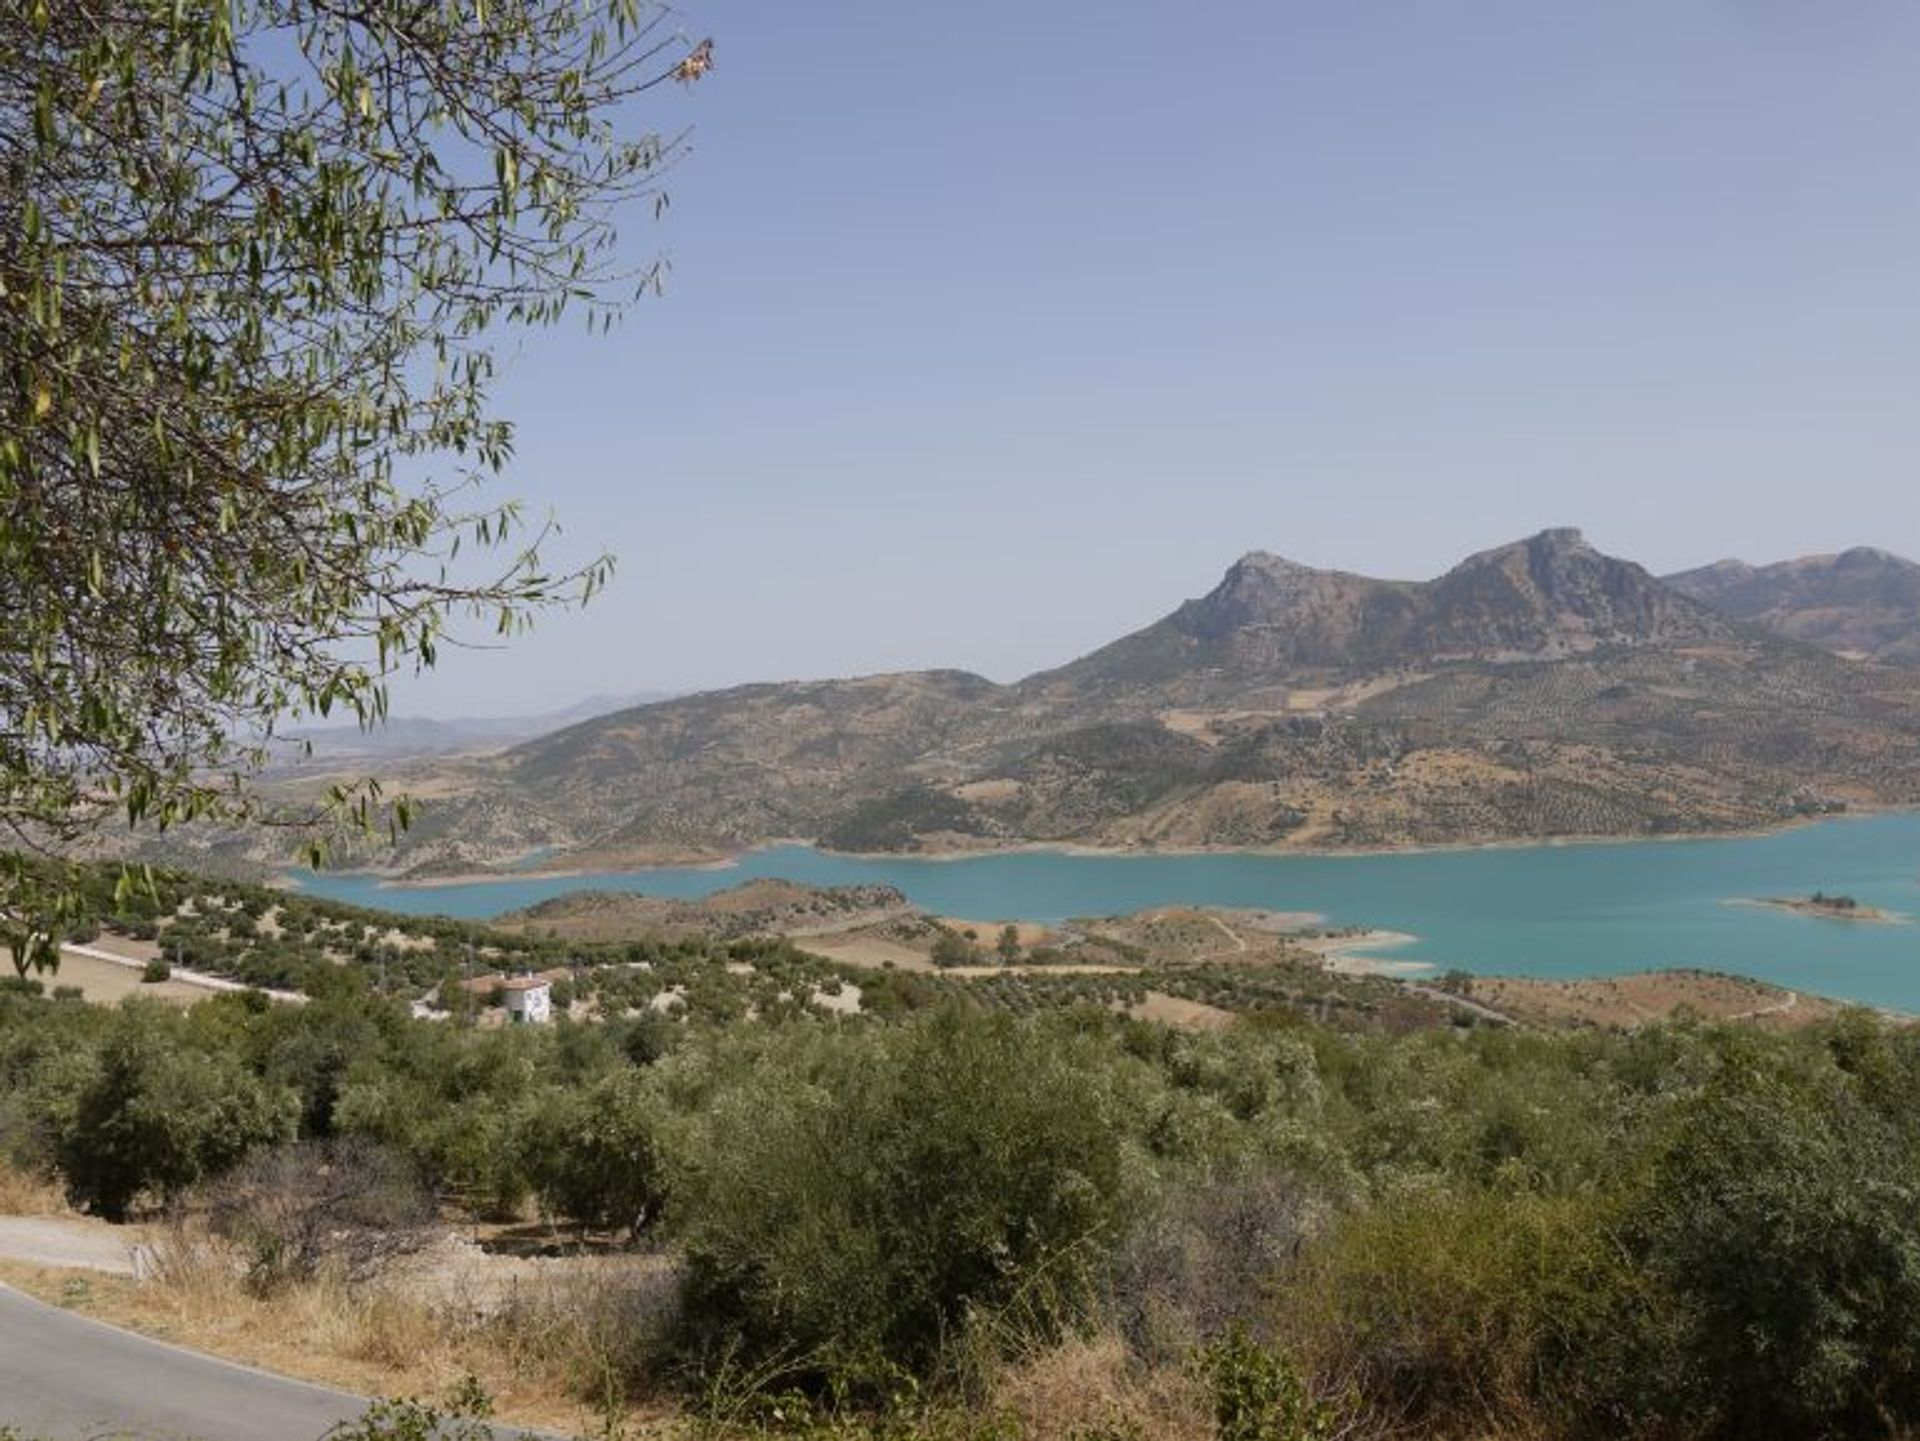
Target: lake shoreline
{"type": "Point", "coordinates": [1544, 910]}
{"type": "Point", "coordinates": [706, 860]}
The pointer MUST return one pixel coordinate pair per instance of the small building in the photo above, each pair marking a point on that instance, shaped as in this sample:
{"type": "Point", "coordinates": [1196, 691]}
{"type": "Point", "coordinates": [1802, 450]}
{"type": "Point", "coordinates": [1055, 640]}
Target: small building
{"type": "Point", "coordinates": [527, 1000]}
{"type": "Point", "coordinates": [523, 999]}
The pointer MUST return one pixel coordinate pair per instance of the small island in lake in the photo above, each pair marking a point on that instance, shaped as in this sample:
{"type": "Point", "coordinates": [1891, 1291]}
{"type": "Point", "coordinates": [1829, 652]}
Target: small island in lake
{"type": "Point", "coordinates": [1833, 908]}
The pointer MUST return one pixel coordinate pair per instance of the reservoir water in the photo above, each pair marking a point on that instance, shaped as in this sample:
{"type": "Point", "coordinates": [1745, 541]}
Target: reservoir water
{"type": "Point", "coordinates": [1549, 910]}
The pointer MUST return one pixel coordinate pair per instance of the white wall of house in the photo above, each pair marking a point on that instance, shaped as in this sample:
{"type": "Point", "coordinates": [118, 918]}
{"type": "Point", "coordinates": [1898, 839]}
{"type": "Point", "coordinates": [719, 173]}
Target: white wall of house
{"type": "Point", "coordinates": [532, 1006]}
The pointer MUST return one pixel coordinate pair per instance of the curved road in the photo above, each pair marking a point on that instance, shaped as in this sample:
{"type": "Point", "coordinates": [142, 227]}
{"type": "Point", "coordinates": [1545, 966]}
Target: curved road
{"type": "Point", "coordinates": [65, 1378]}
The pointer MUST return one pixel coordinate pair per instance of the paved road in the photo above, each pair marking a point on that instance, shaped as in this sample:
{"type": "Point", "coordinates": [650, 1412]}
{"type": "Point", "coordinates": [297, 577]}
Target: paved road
{"type": "Point", "coordinates": [65, 1378]}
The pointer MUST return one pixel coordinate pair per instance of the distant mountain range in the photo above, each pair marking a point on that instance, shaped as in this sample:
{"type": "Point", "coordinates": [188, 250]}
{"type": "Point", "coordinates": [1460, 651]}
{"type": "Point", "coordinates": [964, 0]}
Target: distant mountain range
{"type": "Point", "coordinates": [1538, 689]}
{"type": "Point", "coordinates": [401, 737]}
{"type": "Point", "coordinates": [1862, 602]}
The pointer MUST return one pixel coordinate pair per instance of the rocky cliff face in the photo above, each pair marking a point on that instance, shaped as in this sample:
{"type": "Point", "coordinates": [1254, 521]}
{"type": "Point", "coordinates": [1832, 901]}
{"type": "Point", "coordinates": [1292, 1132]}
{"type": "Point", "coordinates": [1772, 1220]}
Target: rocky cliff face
{"type": "Point", "coordinates": [1554, 595]}
{"type": "Point", "coordinates": [1861, 602]}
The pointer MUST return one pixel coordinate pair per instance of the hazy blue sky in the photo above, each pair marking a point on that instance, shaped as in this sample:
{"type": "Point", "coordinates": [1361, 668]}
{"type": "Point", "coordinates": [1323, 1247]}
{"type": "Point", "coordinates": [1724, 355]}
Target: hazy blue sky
{"type": "Point", "coordinates": [995, 331]}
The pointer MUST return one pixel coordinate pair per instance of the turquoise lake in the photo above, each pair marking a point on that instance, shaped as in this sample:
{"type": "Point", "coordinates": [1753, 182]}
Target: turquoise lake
{"type": "Point", "coordinates": [1551, 910]}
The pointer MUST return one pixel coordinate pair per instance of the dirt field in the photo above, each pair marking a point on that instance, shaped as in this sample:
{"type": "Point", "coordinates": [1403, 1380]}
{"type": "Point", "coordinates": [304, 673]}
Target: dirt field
{"type": "Point", "coordinates": [1188, 1015]}
{"type": "Point", "coordinates": [125, 946]}
{"type": "Point", "coordinates": [874, 952]}
{"type": "Point", "coordinates": [105, 984]}
{"type": "Point", "coordinates": [1628, 1001]}
{"type": "Point", "coordinates": [987, 933]}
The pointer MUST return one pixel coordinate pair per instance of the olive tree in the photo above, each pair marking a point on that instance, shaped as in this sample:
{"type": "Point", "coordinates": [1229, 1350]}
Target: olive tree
{"type": "Point", "coordinates": [255, 256]}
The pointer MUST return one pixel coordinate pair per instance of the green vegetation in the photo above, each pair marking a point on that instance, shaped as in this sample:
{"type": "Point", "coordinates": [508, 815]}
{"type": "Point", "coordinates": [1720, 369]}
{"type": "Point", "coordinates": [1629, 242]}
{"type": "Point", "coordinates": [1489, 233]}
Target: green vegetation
{"type": "Point", "coordinates": [257, 259]}
{"type": "Point", "coordinates": [1689, 1230]}
{"type": "Point", "coordinates": [895, 822]}
{"type": "Point", "coordinates": [953, 949]}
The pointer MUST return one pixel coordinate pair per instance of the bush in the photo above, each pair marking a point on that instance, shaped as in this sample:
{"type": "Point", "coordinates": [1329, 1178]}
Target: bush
{"type": "Point", "coordinates": [1205, 1259]}
{"type": "Point", "coordinates": [592, 1154]}
{"type": "Point", "coordinates": [155, 971]}
{"type": "Point", "coordinates": [1259, 1396]}
{"type": "Point", "coordinates": [1494, 1312]}
{"type": "Point", "coordinates": [345, 1204]}
{"type": "Point", "coordinates": [954, 950]}
{"type": "Point", "coordinates": [156, 1116]}
{"type": "Point", "coordinates": [1784, 1218]}
{"type": "Point", "coordinates": [855, 1202]}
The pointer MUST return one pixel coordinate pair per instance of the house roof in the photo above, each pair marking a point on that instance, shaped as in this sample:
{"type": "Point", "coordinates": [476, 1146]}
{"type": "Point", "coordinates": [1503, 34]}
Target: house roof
{"type": "Point", "coordinates": [487, 985]}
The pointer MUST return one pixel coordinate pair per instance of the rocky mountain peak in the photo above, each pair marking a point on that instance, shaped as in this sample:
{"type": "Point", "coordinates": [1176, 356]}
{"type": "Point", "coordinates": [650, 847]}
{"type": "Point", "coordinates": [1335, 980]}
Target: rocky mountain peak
{"type": "Point", "coordinates": [1554, 593]}
{"type": "Point", "coordinates": [1259, 589]}
{"type": "Point", "coordinates": [1264, 563]}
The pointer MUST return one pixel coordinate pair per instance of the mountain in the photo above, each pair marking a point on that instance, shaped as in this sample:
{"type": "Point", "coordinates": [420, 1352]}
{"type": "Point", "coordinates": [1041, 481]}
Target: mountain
{"type": "Point", "coordinates": [1862, 602]}
{"type": "Point", "coordinates": [1537, 689]}
{"type": "Point", "coordinates": [1273, 625]}
{"type": "Point", "coordinates": [399, 737]}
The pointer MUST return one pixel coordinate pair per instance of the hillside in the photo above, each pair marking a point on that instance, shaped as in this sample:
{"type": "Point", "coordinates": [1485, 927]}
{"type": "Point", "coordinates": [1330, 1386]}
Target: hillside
{"type": "Point", "coordinates": [1538, 689]}
{"type": "Point", "coordinates": [1862, 602]}
{"type": "Point", "coordinates": [755, 908]}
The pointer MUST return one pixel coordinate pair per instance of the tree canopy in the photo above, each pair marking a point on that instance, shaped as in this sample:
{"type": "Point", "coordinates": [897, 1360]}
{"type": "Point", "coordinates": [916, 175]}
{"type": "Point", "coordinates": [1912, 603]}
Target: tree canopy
{"type": "Point", "coordinates": [254, 255]}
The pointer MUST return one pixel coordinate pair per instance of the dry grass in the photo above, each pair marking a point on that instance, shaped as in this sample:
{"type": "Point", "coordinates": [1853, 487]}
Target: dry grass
{"type": "Point", "coordinates": [23, 1193]}
{"type": "Point", "coordinates": [1177, 1011]}
{"type": "Point", "coordinates": [872, 951]}
{"type": "Point", "coordinates": [1095, 1387]}
{"type": "Point", "coordinates": [1648, 996]}
{"type": "Point", "coordinates": [105, 984]}
{"type": "Point", "coordinates": [551, 1354]}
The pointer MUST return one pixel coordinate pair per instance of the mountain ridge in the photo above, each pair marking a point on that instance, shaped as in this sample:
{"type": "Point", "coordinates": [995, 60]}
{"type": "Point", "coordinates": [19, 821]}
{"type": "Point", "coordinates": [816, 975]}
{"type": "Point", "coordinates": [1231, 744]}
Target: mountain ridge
{"type": "Point", "coordinates": [1862, 601]}
{"type": "Point", "coordinates": [1538, 688]}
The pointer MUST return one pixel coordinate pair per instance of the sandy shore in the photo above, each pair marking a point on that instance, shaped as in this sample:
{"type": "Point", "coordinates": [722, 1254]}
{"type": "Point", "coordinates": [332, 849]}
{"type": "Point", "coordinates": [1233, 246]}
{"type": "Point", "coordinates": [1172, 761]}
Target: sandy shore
{"type": "Point", "coordinates": [1353, 955]}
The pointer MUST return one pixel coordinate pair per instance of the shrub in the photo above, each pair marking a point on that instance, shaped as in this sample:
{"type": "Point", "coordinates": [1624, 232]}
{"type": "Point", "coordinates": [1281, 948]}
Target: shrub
{"type": "Point", "coordinates": [854, 1202]}
{"type": "Point", "coordinates": [156, 1115]}
{"type": "Point", "coordinates": [1259, 1396]}
{"type": "Point", "coordinates": [592, 1154]}
{"type": "Point", "coordinates": [347, 1204]}
{"type": "Point", "coordinates": [1495, 1312]}
{"type": "Point", "coordinates": [950, 949]}
{"type": "Point", "coordinates": [155, 971]}
{"type": "Point", "coordinates": [1205, 1259]}
{"type": "Point", "coordinates": [1784, 1217]}
{"type": "Point", "coordinates": [461, 1418]}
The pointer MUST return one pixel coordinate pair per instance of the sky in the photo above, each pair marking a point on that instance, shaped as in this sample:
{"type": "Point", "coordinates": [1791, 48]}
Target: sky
{"type": "Point", "coordinates": [993, 332]}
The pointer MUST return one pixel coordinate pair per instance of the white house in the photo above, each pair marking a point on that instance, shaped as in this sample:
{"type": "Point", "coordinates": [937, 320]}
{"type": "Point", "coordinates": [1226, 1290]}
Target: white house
{"type": "Point", "coordinates": [528, 1000]}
